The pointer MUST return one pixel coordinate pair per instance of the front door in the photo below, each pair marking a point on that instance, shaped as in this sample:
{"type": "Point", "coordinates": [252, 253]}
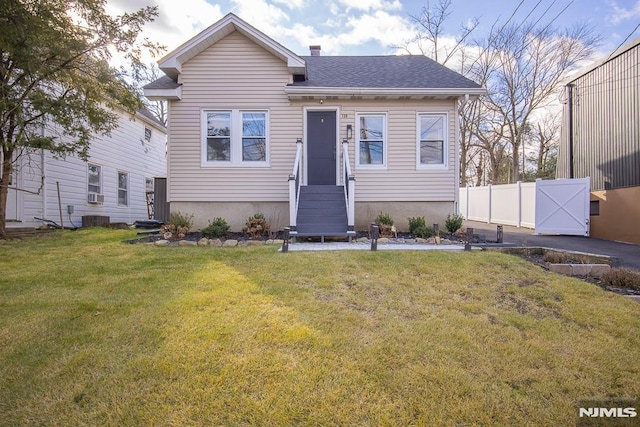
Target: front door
{"type": "Point", "coordinates": [321, 147]}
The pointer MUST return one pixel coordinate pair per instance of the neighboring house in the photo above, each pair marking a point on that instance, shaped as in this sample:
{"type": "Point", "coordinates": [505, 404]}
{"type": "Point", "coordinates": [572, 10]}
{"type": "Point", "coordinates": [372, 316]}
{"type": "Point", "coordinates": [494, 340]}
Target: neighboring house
{"type": "Point", "coordinates": [243, 110]}
{"type": "Point", "coordinates": [116, 181]}
{"type": "Point", "coordinates": [601, 139]}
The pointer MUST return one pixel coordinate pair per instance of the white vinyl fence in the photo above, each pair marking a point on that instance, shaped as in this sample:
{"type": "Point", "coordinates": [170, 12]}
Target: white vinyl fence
{"type": "Point", "coordinates": [509, 204]}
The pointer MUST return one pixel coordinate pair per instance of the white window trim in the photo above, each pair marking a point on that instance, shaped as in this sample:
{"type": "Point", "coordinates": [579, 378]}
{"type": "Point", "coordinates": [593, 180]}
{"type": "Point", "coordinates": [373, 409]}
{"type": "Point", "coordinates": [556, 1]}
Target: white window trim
{"type": "Point", "coordinates": [100, 176]}
{"type": "Point", "coordinates": [385, 141]}
{"type": "Point", "coordinates": [118, 189]}
{"type": "Point", "coordinates": [236, 140]}
{"type": "Point", "coordinates": [445, 145]}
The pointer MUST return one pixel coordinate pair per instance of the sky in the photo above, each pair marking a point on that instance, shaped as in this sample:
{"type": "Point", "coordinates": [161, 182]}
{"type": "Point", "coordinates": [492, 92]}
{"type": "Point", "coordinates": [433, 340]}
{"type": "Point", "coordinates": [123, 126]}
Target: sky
{"type": "Point", "coordinates": [378, 27]}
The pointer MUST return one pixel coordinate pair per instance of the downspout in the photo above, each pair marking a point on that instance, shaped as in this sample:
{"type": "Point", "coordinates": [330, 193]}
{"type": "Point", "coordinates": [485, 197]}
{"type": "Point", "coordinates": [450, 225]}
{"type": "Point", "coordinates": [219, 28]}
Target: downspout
{"type": "Point", "coordinates": [570, 90]}
{"type": "Point", "coordinates": [456, 197]}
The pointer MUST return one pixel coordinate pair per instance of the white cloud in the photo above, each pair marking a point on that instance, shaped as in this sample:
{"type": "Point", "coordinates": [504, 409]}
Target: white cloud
{"type": "Point", "coordinates": [291, 4]}
{"type": "Point", "coordinates": [367, 5]}
{"type": "Point", "coordinates": [260, 14]}
{"type": "Point", "coordinates": [177, 22]}
{"type": "Point", "coordinates": [622, 14]}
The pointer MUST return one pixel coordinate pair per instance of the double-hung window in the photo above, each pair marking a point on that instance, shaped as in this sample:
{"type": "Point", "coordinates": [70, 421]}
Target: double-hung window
{"type": "Point", "coordinates": [123, 189]}
{"type": "Point", "coordinates": [235, 138]}
{"type": "Point", "coordinates": [94, 181]}
{"type": "Point", "coordinates": [371, 137]}
{"type": "Point", "coordinates": [432, 140]}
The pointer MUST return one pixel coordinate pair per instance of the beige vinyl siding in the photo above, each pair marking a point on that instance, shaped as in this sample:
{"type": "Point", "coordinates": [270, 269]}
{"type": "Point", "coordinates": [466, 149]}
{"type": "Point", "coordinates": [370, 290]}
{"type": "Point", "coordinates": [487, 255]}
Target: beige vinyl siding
{"type": "Point", "coordinates": [401, 180]}
{"type": "Point", "coordinates": [236, 74]}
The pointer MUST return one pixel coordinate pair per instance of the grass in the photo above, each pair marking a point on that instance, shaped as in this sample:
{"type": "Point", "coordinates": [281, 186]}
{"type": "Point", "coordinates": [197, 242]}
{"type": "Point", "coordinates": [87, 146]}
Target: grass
{"type": "Point", "coordinates": [97, 332]}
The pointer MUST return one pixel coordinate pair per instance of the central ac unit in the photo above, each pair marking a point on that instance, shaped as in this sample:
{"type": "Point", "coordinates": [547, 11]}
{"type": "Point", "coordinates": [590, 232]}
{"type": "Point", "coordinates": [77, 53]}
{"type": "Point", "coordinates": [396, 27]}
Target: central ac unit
{"type": "Point", "coordinates": [95, 198]}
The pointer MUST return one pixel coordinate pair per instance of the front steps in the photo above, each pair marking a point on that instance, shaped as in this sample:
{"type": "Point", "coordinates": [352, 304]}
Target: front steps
{"type": "Point", "coordinates": [322, 212]}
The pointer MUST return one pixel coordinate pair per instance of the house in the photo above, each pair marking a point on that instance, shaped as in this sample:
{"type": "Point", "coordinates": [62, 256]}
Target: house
{"type": "Point", "coordinates": [116, 182]}
{"type": "Point", "coordinates": [600, 139]}
{"type": "Point", "coordinates": [322, 144]}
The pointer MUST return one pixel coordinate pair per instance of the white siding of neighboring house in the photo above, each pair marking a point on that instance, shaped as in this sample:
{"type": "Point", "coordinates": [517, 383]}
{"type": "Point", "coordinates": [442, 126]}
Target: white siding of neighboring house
{"type": "Point", "coordinates": [235, 73]}
{"type": "Point", "coordinates": [125, 150]}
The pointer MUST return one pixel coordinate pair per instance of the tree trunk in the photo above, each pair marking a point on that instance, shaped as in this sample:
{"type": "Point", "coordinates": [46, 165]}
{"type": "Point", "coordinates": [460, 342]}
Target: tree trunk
{"type": "Point", "coordinates": [516, 162]}
{"type": "Point", "coordinates": [7, 170]}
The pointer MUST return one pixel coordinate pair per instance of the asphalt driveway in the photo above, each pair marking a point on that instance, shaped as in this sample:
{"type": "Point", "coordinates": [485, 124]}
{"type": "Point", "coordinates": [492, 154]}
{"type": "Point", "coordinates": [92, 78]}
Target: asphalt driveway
{"type": "Point", "coordinates": [628, 253]}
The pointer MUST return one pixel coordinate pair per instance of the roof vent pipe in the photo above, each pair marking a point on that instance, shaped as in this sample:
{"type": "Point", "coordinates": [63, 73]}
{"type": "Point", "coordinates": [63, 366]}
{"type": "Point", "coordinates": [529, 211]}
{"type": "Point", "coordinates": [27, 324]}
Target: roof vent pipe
{"type": "Point", "coordinates": [315, 50]}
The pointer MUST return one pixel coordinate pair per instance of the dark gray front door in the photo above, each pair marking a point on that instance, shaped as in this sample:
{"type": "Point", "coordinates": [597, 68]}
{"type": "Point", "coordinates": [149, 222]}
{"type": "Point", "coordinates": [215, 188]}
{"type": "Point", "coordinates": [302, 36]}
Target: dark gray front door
{"type": "Point", "coordinates": [321, 147]}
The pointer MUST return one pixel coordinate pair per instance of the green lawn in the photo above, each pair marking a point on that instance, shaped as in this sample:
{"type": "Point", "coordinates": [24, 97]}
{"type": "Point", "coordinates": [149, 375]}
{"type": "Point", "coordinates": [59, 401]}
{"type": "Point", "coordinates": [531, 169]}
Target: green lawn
{"type": "Point", "coordinates": [97, 332]}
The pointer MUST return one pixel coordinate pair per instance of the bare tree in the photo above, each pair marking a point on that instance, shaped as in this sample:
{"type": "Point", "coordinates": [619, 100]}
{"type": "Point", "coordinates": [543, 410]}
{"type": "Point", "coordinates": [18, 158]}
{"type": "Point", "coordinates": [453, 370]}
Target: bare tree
{"type": "Point", "coordinates": [431, 32]}
{"type": "Point", "coordinates": [529, 66]}
{"type": "Point", "coordinates": [544, 136]}
{"type": "Point", "coordinates": [146, 75]}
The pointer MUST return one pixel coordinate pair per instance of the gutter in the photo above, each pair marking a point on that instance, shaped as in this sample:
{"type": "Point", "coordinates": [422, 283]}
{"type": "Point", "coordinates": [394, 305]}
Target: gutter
{"type": "Point", "coordinates": [373, 91]}
{"type": "Point", "coordinates": [570, 87]}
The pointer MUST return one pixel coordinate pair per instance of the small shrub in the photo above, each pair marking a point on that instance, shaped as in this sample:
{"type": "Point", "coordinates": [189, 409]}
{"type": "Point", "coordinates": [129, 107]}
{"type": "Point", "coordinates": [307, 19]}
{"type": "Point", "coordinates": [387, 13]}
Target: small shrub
{"type": "Point", "coordinates": [415, 224]}
{"type": "Point", "coordinates": [216, 228]}
{"type": "Point", "coordinates": [385, 225]}
{"type": "Point", "coordinates": [424, 232]}
{"type": "Point", "coordinates": [178, 226]}
{"type": "Point", "coordinates": [555, 258]}
{"type": "Point", "coordinates": [256, 226]}
{"type": "Point", "coordinates": [453, 222]}
{"type": "Point", "coordinates": [384, 218]}
{"type": "Point", "coordinates": [181, 220]}
{"type": "Point", "coordinates": [418, 227]}
{"type": "Point", "coordinates": [622, 278]}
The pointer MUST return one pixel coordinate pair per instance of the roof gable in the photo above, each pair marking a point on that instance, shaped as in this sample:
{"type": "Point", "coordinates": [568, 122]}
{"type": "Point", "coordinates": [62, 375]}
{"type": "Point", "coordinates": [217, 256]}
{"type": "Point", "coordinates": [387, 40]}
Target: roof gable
{"type": "Point", "coordinates": [171, 63]}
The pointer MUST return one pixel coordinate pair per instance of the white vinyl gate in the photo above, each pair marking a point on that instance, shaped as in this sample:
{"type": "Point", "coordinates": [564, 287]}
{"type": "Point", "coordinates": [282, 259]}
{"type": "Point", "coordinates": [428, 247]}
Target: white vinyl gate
{"type": "Point", "coordinates": [558, 206]}
{"type": "Point", "coordinates": [562, 206]}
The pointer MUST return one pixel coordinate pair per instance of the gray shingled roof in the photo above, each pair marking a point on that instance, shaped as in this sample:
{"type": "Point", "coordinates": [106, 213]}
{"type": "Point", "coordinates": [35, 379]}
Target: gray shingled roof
{"type": "Point", "coordinates": [151, 117]}
{"type": "Point", "coordinates": [387, 72]}
{"type": "Point", "coordinates": [390, 72]}
{"type": "Point", "coordinates": [164, 82]}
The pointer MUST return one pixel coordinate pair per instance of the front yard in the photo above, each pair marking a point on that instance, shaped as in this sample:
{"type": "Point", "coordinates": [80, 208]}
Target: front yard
{"type": "Point", "coordinates": [97, 332]}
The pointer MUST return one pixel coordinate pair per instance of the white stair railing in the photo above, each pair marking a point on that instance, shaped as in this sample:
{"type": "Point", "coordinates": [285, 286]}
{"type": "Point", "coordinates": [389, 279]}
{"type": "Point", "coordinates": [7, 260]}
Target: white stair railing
{"type": "Point", "coordinates": [349, 182]}
{"type": "Point", "coordinates": [295, 179]}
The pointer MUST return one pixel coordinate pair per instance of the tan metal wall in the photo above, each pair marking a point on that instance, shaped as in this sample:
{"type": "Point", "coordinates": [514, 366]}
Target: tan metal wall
{"type": "Point", "coordinates": [619, 215]}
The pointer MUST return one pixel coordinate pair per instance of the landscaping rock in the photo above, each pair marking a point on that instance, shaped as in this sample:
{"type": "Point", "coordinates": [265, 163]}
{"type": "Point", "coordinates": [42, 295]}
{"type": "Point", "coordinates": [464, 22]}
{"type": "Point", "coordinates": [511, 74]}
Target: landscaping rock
{"type": "Point", "coordinates": [445, 242]}
{"type": "Point", "coordinates": [597, 270]}
{"type": "Point", "coordinates": [161, 243]}
{"type": "Point", "coordinates": [362, 240]}
{"type": "Point", "coordinates": [421, 240]}
{"type": "Point", "coordinates": [431, 240]}
{"type": "Point", "coordinates": [216, 243]}
{"type": "Point", "coordinates": [409, 240]}
{"type": "Point", "coordinates": [255, 242]}
{"type": "Point", "coordinates": [230, 243]}
{"type": "Point", "coordinates": [203, 242]}
{"type": "Point", "coordinates": [383, 240]}
{"type": "Point", "coordinates": [583, 270]}
{"type": "Point", "coordinates": [438, 240]}
{"type": "Point", "coordinates": [187, 243]}
{"type": "Point", "coordinates": [274, 242]}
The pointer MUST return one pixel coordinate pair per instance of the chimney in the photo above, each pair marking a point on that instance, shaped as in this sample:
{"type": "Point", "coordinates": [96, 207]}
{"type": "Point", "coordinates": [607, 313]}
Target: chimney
{"type": "Point", "coordinates": [315, 50]}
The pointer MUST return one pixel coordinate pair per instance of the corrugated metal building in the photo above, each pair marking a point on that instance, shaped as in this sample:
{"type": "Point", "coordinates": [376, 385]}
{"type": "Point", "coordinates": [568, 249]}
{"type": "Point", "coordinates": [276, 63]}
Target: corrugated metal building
{"type": "Point", "coordinates": [601, 139]}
